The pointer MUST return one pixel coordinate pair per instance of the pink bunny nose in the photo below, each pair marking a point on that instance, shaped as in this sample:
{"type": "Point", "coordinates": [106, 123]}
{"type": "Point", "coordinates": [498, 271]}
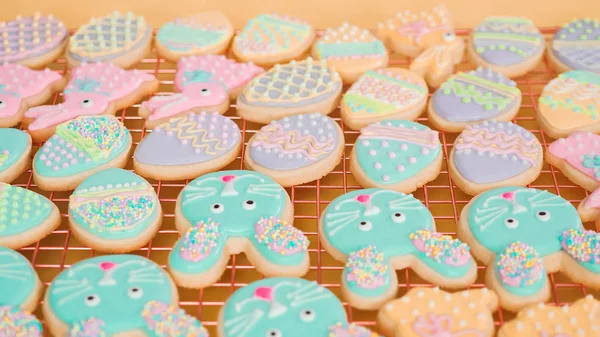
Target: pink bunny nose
{"type": "Point", "coordinates": [106, 266]}
{"type": "Point", "coordinates": [363, 198]}
{"type": "Point", "coordinates": [227, 178]}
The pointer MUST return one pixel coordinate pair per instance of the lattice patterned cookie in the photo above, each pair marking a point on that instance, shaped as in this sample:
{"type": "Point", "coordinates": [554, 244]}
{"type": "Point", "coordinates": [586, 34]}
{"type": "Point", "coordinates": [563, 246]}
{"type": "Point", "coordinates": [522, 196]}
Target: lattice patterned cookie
{"type": "Point", "coordinates": [15, 153]}
{"type": "Point", "coordinates": [576, 46]}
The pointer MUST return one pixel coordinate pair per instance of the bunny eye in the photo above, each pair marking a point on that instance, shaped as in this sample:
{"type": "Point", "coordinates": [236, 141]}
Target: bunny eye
{"type": "Point", "coordinates": [205, 92]}
{"type": "Point", "coordinates": [217, 208]}
{"type": "Point", "coordinates": [92, 300]}
{"type": "Point", "coordinates": [365, 226]}
{"type": "Point", "coordinates": [2, 104]}
{"type": "Point", "coordinates": [398, 217]}
{"type": "Point", "coordinates": [135, 293]}
{"type": "Point", "coordinates": [249, 205]}
{"type": "Point", "coordinates": [511, 223]}
{"type": "Point", "coordinates": [86, 103]}
{"type": "Point", "coordinates": [307, 315]}
{"type": "Point", "coordinates": [543, 215]}
{"type": "Point", "coordinates": [449, 36]}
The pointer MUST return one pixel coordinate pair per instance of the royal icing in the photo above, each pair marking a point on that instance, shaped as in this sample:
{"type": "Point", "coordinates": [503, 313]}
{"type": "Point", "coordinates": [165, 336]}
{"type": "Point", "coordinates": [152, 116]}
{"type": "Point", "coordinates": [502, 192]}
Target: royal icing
{"type": "Point", "coordinates": [437, 62]}
{"type": "Point", "coordinates": [191, 139]}
{"type": "Point", "coordinates": [350, 330]}
{"type": "Point", "coordinates": [477, 95]}
{"type": "Point", "coordinates": [21, 210]}
{"type": "Point", "coordinates": [392, 151]}
{"type": "Point", "coordinates": [349, 42]}
{"type": "Point", "coordinates": [581, 150]}
{"type": "Point", "coordinates": [166, 321]}
{"type": "Point", "coordinates": [14, 144]}
{"type": "Point", "coordinates": [82, 144]}
{"type": "Point", "coordinates": [108, 37]}
{"type": "Point", "coordinates": [577, 44]}
{"type": "Point", "coordinates": [494, 151]}
{"type": "Point", "coordinates": [506, 41]}
{"type": "Point", "coordinates": [583, 246]}
{"type": "Point", "coordinates": [294, 142]}
{"type": "Point", "coordinates": [16, 323]}
{"type": "Point", "coordinates": [195, 33]}
{"type": "Point", "coordinates": [29, 37]}
{"type": "Point", "coordinates": [520, 266]}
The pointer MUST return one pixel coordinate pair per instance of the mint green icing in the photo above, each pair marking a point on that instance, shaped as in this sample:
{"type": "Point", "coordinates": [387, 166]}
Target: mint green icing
{"type": "Point", "coordinates": [398, 81]}
{"type": "Point", "coordinates": [359, 103]}
{"type": "Point", "coordinates": [570, 105]}
{"type": "Point", "coordinates": [21, 210]}
{"type": "Point", "coordinates": [341, 49]}
{"type": "Point", "coordinates": [179, 37]}
{"type": "Point", "coordinates": [13, 144]}
{"type": "Point", "coordinates": [17, 278]}
{"type": "Point", "coordinates": [582, 76]}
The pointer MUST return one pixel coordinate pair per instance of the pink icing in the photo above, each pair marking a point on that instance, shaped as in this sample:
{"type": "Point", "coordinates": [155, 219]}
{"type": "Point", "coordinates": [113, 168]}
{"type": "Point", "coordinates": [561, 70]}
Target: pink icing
{"type": "Point", "coordinates": [106, 266]}
{"type": "Point", "coordinates": [508, 196]}
{"type": "Point", "coordinates": [576, 145]}
{"type": "Point", "coordinates": [432, 325]}
{"type": "Point", "coordinates": [227, 178]}
{"type": "Point", "coordinates": [229, 72]}
{"type": "Point", "coordinates": [280, 237]}
{"type": "Point", "coordinates": [264, 293]}
{"type": "Point", "coordinates": [441, 248]}
{"type": "Point", "coordinates": [363, 198]}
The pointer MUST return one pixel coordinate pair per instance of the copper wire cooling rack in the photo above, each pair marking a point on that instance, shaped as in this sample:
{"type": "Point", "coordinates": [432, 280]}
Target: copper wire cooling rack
{"type": "Point", "coordinates": [60, 249]}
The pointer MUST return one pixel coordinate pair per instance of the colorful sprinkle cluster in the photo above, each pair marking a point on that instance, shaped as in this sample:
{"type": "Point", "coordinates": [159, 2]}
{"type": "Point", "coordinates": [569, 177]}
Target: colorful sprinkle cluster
{"type": "Point", "coordinates": [93, 327]}
{"type": "Point", "coordinates": [441, 248]}
{"type": "Point", "coordinates": [167, 321]}
{"type": "Point", "coordinates": [199, 240]}
{"type": "Point", "coordinates": [116, 213]}
{"type": "Point", "coordinates": [520, 265]}
{"type": "Point", "coordinates": [367, 268]}
{"type": "Point", "coordinates": [16, 323]}
{"type": "Point", "coordinates": [280, 237]}
{"type": "Point", "coordinates": [98, 135]}
{"type": "Point", "coordinates": [350, 330]}
{"type": "Point", "coordinates": [3, 157]}
{"type": "Point", "coordinates": [582, 245]}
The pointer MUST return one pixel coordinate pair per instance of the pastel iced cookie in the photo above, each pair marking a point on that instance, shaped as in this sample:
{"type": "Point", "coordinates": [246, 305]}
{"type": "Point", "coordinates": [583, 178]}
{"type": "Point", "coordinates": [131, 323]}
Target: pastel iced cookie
{"type": "Point", "coordinates": [576, 46]}
{"type": "Point", "coordinates": [522, 234]}
{"type": "Point", "coordinates": [230, 212]}
{"type": "Point", "coordinates": [578, 158]}
{"type": "Point", "coordinates": [114, 211]}
{"type": "Point", "coordinates": [493, 154]}
{"type": "Point", "coordinates": [116, 295]}
{"type": "Point", "coordinates": [384, 94]}
{"type": "Point", "coordinates": [436, 64]}
{"type": "Point", "coordinates": [80, 148]}
{"type": "Point", "coordinates": [122, 39]}
{"type": "Point", "coordinates": [472, 97]}
{"type": "Point", "coordinates": [507, 44]}
{"type": "Point", "coordinates": [376, 231]}
{"type": "Point", "coordinates": [290, 89]}
{"type": "Point", "coordinates": [273, 38]}
{"type": "Point", "coordinates": [282, 307]}
{"type": "Point", "coordinates": [396, 154]}
{"type": "Point", "coordinates": [589, 208]}
{"type": "Point", "coordinates": [15, 153]}
{"type": "Point", "coordinates": [198, 34]}
{"type": "Point", "coordinates": [25, 217]}
{"type": "Point", "coordinates": [32, 41]}
{"type": "Point", "coordinates": [297, 149]}
{"type": "Point", "coordinates": [351, 50]}
{"type": "Point", "coordinates": [569, 103]}
{"type": "Point", "coordinates": [186, 147]}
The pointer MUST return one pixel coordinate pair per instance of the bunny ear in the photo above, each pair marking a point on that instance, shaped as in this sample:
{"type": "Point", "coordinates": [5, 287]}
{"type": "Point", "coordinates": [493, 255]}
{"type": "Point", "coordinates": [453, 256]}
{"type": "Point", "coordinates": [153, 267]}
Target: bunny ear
{"type": "Point", "coordinates": [90, 328]}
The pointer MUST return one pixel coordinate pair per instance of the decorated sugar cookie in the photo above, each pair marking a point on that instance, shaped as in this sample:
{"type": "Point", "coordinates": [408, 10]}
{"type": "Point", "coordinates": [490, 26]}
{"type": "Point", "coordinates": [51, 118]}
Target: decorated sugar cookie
{"type": "Point", "coordinates": [580, 319]}
{"type": "Point", "coordinates": [32, 41]}
{"type": "Point", "coordinates": [80, 148]}
{"type": "Point", "coordinates": [15, 153]}
{"type": "Point", "coordinates": [436, 64]}
{"type": "Point", "coordinates": [493, 154]}
{"type": "Point", "coordinates": [384, 94]}
{"type": "Point", "coordinates": [569, 103]}
{"type": "Point", "coordinates": [431, 312]}
{"type": "Point", "coordinates": [351, 51]}
{"type": "Point", "coordinates": [202, 33]}
{"type": "Point", "coordinates": [21, 88]}
{"type": "Point", "coordinates": [290, 89]}
{"type": "Point", "coordinates": [269, 39]}
{"type": "Point", "coordinates": [589, 208]}
{"type": "Point", "coordinates": [116, 294]}
{"type": "Point", "coordinates": [578, 158]}
{"type": "Point", "coordinates": [396, 154]}
{"type": "Point", "coordinates": [473, 97]}
{"type": "Point", "coordinates": [114, 211]}
{"type": "Point", "coordinates": [575, 46]}
{"type": "Point", "coordinates": [20, 290]}
{"type": "Point", "coordinates": [286, 307]}
{"type": "Point", "coordinates": [204, 83]}
{"type": "Point", "coordinates": [93, 89]}
{"type": "Point", "coordinates": [296, 149]}
{"type": "Point", "coordinates": [509, 45]}
{"type": "Point", "coordinates": [375, 231]}
{"type": "Point", "coordinates": [522, 234]}
{"type": "Point", "coordinates": [119, 38]}
{"type": "Point", "coordinates": [229, 212]}
{"type": "Point", "coordinates": [25, 217]}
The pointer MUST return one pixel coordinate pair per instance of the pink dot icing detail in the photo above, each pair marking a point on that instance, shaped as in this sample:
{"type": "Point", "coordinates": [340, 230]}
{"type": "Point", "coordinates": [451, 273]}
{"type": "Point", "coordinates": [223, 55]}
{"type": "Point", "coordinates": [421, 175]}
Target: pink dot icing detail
{"type": "Point", "coordinates": [43, 157]}
{"type": "Point", "coordinates": [365, 143]}
{"type": "Point", "coordinates": [227, 178]}
{"type": "Point", "coordinates": [425, 150]}
{"type": "Point", "coordinates": [65, 165]}
{"type": "Point", "coordinates": [363, 198]}
{"type": "Point", "coordinates": [48, 163]}
{"type": "Point", "coordinates": [412, 160]}
{"type": "Point", "coordinates": [377, 165]}
{"type": "Point", "coordinates": [404, 147]}
{"type": "Point", "coordinates": [400, 168]}
{"type": "Point", "coordinates": [372, 152]}
{"type": "Point", "coordinates": [392, 154]}
{"type": "Point", "coordinates": [384, 144]}
{"type": "Point", "coordinates": [55, 168]}
{"type": "Point", "coordinates": [73, 161]}
{"type": "Point", "coordinates": [385, 178]}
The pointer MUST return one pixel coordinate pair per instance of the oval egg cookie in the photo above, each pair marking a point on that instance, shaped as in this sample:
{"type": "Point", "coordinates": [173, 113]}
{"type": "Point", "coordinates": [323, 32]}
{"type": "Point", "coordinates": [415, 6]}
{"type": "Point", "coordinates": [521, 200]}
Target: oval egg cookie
{"type": "Point", "coordinates": [578, 158]}
{"type": "Point", "coordinates": [576, 46]}
{"type": "Point", "coordinates": [15, 154]}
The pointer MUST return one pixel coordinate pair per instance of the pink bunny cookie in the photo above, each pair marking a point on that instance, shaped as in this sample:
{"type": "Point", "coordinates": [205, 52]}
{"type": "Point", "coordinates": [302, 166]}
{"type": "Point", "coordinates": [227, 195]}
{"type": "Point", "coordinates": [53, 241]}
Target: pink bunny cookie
{"type": "Point", "coordinates": [437, 62]}
{"type": "Point", "coordinates": [578, 158]}
{"type": "Point", "coordinates": [589, 208]}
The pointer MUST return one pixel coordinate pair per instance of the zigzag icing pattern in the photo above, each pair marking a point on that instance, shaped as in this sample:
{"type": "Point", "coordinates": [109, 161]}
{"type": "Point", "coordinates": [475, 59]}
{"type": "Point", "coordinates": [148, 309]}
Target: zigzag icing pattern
{"type": "Point", "coordinates": [291, 141]}
{"type": "Point", "coordinates": [211, 144]}
{"type": "Point", "coordinates": [498, 142]}
{"type": "Point", "coordinates": [463, 90]}
{"type": "Point", "coordinates": [427, 138]}
{"type": "Point", "coordinates": [510, 23]}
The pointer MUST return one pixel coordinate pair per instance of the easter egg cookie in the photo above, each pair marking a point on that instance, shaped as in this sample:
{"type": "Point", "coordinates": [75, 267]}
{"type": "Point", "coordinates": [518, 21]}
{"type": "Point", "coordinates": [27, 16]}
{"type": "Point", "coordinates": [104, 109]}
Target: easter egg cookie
{"type": "Point", "coordinates": [493, 154]}
{"type": "Point", "coordinates": [396, 154]}
{"type": "Point", "coordinates": [576, 46]}
{"type": "Point", "coordinates": [472, 97]}
{"type": "Point", "coordinates": [114, 211]}
{"type": "Point", "coordinates": [351, 51]}
{"type": "Point", "coordinates": [578, 158]}
{"type": "Point", "coordinates": [290, 89]}
{"type": "Point", "coordinates": [235, 212]}
{"type": "Point", "coordinates": [198, 34]}
{"type": "Point", "coordinates": [522, 234]}
{"type": "Point", "coordinates": [376, 231]}
{"type": "Point", "coordinates": [589, 208]}
{"type": "Point", "coordinates": [296, 149]}
{"type": "Point", "coordinates": [119, 38]}
{"type": "Point", "coordinates": [15, 154]}
{"type": "Point", "coordinates": [80, 148]}
{"type": "Point", "coordinates": [509, 45]}
{"type": "Point", "coordinates": [189, 146]}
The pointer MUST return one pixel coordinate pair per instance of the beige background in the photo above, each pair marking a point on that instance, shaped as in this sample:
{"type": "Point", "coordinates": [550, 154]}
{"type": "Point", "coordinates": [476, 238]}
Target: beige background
{"type": "Point", "coordinates": [362, 12]}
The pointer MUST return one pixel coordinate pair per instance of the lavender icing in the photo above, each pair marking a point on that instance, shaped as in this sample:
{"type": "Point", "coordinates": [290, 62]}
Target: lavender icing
{"type": "Point", "coordinates": [577, 44]}
{"type": "Point", "coordinates": [29, 37]}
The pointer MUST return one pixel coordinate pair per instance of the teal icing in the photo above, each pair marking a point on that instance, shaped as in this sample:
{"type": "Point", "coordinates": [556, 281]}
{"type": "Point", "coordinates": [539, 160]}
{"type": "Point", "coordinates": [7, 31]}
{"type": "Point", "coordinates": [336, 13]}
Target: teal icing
{"type": "Point", "coordinates": [13, 144]}
{"type": "Point", "coordinates": [582, 76]}
{"type": "Point", "coordinates": [17, 278]}
{"type": "Point", "coordinates": [178, 263]}
{"type": "Point", "coordinates": [593, 267]}
{"type": "Point", "coordinates": [21, 210]}
{"type": "Point", "coordinates": [444, 269]}
{"type": "Point", "coordinates": [113, 289]}
{"type": "Point", "coordinates": [350, 49]}
{"type": "Point", "coordinates": [184, 38]}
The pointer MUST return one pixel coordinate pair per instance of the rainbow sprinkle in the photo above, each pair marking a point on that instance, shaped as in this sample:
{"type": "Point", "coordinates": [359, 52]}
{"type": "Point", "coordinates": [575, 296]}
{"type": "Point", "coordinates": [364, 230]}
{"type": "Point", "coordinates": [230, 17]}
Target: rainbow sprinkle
{"type": "Point", "coordinates": [3, 157]}
{"type": "Point", "coordinates": [280, 237]}
{"type": "Point", "coordinates": [199, 240]}
{"type": "Point", "coordinates": [93, 327]}
{"type": "Point", "coordinates": [116, 213]}
{"type": "Point", "coordinates": [16, 323]}
{"type": "Point", "coordinates": [167, 321]}
{"type": "Point", "coordinates": [520, 265]}
{"type": "Point", "coordinates": [350, 330]}
{"type": "Point", "coordinates": [441, 248]}
{"type": "Point", "coordinates": [582, 245]}
{"type": "Point", "coordinates": [367, 268]}
{"type": "Point", "coordinates": [97, 135]}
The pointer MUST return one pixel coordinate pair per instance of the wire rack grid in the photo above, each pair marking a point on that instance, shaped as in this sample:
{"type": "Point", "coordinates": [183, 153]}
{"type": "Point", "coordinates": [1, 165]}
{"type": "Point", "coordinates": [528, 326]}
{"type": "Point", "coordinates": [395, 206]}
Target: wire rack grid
{"type": "Point", "coordinates": [59, 250]}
